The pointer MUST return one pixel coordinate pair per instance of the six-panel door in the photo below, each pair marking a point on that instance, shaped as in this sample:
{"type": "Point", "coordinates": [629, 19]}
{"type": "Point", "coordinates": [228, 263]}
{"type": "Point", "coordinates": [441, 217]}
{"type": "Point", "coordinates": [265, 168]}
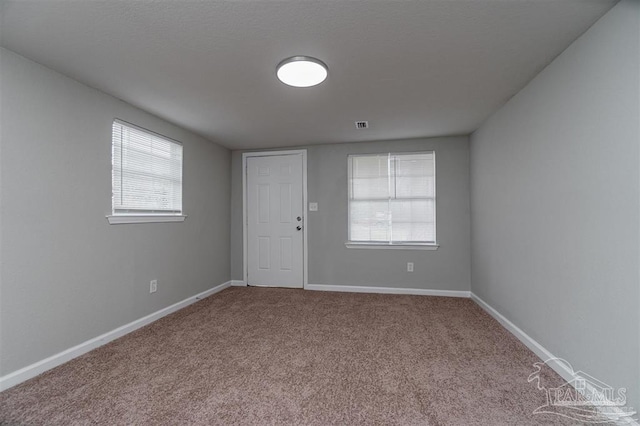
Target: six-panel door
{"type": "Point", "coordinates": [275, 221]}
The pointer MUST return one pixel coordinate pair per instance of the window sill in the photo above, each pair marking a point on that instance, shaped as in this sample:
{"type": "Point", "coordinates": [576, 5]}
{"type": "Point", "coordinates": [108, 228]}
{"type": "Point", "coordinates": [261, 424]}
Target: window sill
{"type": "Point", "coordinates": [392, 246]}
{"type": "Point", "coordinates": [139, 218]}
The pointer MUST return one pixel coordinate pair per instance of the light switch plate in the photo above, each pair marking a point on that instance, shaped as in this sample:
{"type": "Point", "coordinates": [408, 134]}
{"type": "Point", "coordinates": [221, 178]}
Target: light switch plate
{"type": "Point", "coordinates": [313, 207]}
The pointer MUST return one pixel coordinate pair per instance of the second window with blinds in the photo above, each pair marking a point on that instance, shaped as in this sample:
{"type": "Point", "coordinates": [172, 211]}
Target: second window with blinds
{"type": "Point", "coordinates": [146, 176]}
{"type": "Point", "coordinates": [392, 200]}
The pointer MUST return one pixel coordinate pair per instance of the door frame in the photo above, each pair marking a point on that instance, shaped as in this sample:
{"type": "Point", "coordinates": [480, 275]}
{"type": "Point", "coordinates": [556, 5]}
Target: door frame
{"type": "Point", "coordinates": [305, 221]}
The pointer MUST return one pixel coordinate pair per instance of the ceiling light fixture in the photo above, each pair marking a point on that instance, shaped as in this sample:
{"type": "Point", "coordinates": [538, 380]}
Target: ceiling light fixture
{"type": "Point", "coordinates": [301, 71]}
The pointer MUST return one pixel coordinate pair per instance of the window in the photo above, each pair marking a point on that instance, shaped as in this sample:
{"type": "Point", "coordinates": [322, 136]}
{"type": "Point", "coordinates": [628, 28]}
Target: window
{"type": "Point", "coordinates": [392, 199]}
{"type": "Point", "coordinates": [146, 176]}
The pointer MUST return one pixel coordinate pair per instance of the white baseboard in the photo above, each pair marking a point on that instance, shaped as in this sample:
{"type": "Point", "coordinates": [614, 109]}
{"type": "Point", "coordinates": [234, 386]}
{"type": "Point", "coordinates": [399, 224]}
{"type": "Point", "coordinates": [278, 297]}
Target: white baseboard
{"type": "Point", "coordinates": [535, 347]}
{"type": "Point", "coordinates": [387, 290]}
{"type": "Point", "coordinates": [40, 367]}
{"type": "Point", "coordinates": [238, 283]}
{"type": "Point", "coordinates": [563, 371]}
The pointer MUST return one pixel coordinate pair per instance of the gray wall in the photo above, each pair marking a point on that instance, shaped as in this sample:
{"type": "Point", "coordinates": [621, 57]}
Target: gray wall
{"type": "Point", "coordinates": [555, 204]}
{"type": "Point", "coordinates": [330, 262]}
{"type": "Point", "coordinates": [67, 275]}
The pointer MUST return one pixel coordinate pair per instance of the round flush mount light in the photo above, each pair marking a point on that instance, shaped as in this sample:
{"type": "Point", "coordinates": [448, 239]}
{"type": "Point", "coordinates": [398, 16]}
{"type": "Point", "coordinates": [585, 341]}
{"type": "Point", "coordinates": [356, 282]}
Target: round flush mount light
{"type": "Point", "coordinates": [301, 71]}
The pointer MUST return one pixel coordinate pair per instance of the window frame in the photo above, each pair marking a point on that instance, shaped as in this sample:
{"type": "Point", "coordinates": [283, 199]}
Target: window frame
{"type": "Point", "coordinates": [144, 216]}
{"type": "Point", "coordinates": [405, 245]}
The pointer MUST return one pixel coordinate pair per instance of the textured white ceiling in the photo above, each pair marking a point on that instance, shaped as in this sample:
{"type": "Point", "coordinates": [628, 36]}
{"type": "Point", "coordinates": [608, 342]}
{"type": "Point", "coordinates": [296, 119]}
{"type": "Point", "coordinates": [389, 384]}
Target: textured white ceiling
{"type": "Point", "coordinates": [412, 68]}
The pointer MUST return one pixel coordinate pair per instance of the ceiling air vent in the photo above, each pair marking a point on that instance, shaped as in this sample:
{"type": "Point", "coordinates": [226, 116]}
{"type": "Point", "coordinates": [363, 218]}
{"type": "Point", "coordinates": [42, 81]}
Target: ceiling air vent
{"type": "Point", "coordinates": [362, 124]}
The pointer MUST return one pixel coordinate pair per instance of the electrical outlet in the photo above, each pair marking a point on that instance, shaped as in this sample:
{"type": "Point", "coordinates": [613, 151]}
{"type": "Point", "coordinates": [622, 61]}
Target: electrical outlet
{"type": "Point", "coordinates": [153, 286]}
{"type": "Point", "coordinates": [409, 266]}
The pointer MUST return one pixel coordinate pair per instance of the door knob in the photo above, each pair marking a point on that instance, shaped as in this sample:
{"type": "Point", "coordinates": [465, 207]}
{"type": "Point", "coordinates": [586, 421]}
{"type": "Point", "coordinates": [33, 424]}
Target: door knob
{"type": "Point", "coordinates": [298, 228]}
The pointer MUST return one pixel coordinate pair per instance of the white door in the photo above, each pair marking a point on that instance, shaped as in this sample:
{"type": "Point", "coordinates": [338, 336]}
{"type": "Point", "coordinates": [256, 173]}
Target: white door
{"type": "Point", "coordinates": [275, 221]}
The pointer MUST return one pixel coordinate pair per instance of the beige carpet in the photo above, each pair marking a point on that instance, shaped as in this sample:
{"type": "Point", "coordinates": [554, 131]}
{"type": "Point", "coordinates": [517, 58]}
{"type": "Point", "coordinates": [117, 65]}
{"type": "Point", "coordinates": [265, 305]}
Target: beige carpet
{"type": "Point", "coordinates": [276, 356]}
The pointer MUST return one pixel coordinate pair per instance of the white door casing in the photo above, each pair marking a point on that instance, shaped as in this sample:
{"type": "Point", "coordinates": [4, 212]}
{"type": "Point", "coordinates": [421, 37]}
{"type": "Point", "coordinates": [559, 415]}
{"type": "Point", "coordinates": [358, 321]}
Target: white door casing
{"type": "Point", "coordinates": [274, 211]}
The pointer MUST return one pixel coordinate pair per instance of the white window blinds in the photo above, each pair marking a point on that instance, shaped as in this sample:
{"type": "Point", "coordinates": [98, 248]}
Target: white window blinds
{"type": "Point", "coordinates": [147, 172]}
{"type": "Point", "coordinates": [392, 198]}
